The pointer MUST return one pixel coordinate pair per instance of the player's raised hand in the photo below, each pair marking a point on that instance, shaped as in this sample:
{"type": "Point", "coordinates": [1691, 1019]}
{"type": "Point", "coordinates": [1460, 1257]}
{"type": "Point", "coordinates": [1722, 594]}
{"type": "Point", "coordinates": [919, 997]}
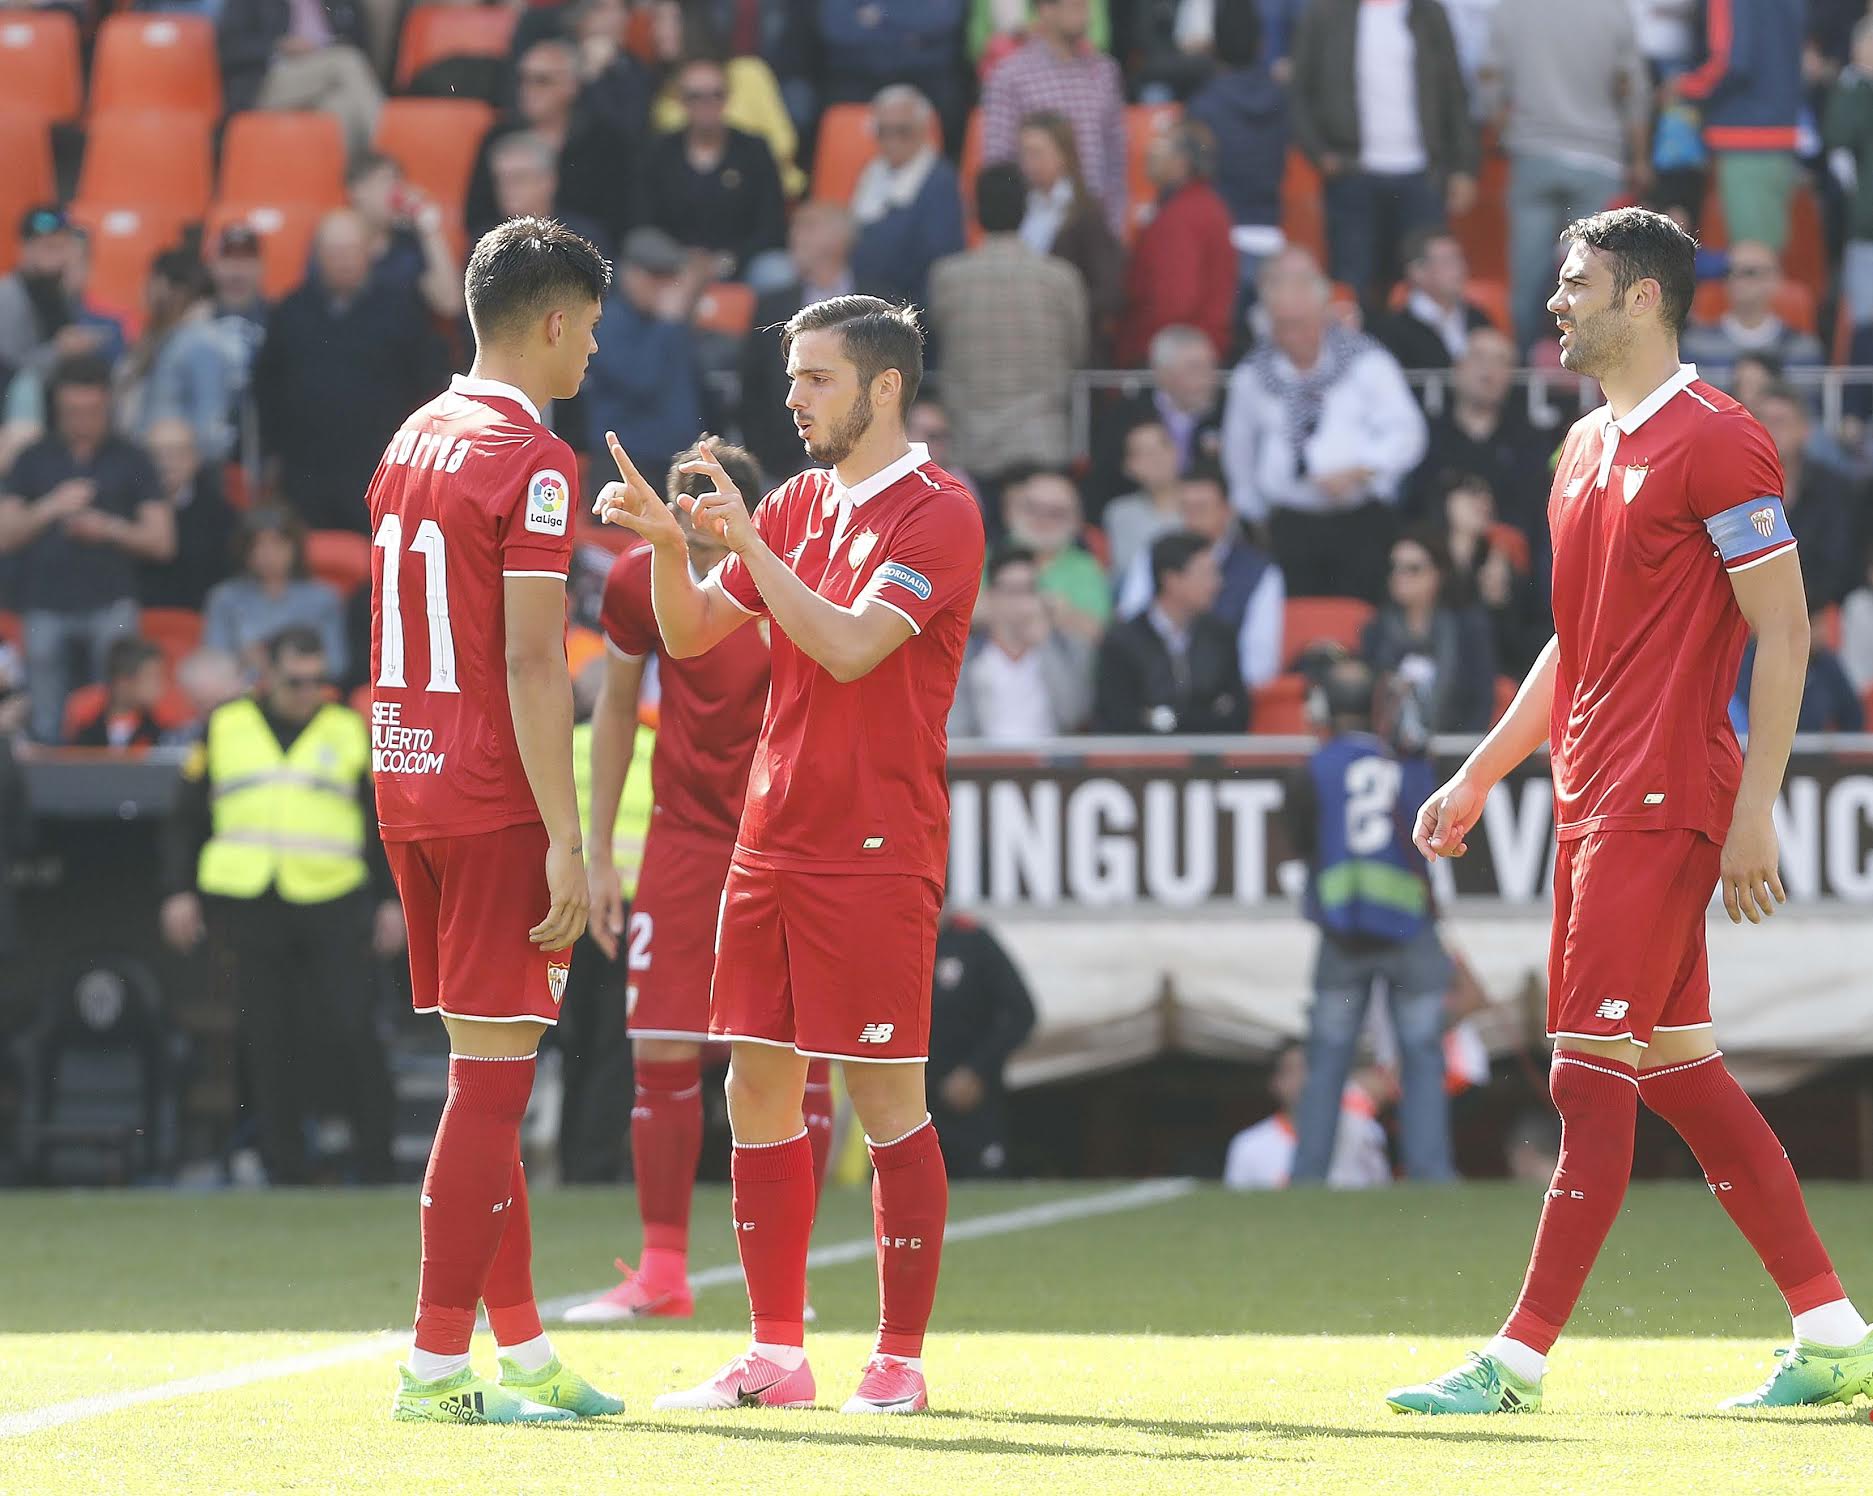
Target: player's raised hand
{"type": "Point", "coordinates": [1446, 818]}
{"type": "Point", "coordinates": [722, 513]}
{"type": "Point", "coordinates": [607, 906]}
{"type": "Point", "coordinates": [565, 882]}
{"type": "Point", "coordinates": [1752, 884]}
{"type": "Point", "coordinates": [633, 503]}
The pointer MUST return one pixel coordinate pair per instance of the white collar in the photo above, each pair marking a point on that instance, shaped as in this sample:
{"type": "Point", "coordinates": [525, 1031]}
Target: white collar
{"type": "Point", "coordinates": [476, 389]}
{"type": "Point", "coordinates": [869, 488]}
{"type": "Point", "coordinates": [1653, 403]}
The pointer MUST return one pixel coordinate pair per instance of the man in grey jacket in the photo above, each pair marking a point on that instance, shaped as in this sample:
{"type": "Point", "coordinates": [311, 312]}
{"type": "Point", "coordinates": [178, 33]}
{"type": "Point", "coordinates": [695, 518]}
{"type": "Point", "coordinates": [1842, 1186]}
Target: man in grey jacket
{"type": "Point", "coordinates": [1023, 679]}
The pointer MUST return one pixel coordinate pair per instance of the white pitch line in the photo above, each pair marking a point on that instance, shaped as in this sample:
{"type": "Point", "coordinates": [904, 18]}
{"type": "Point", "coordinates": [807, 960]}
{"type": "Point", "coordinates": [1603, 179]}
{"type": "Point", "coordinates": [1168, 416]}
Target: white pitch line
{"type": "Point", "coordinates": [859, 1249]}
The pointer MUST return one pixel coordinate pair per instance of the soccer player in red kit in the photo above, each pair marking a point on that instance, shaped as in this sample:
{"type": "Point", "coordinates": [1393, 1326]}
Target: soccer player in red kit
{"type": "Point", "coordinates": [867, 568]}
{"type": "Point", "coordinates": [710, 712]}
{"type": "Point", "coordinates": [471, 733]}
{"type": "Point", "coordinates": [1670, 548]}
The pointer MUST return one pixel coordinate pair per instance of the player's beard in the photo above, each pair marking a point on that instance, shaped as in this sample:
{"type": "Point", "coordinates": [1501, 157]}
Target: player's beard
{"type": "Point", "coordinates": [1600, 343]}
{"type": "Point", "coordinates": [845, 436]}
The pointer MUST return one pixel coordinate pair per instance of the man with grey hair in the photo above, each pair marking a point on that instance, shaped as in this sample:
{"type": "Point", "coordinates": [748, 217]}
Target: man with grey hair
{"type": "Point", "coordinates": [1319, 434]}
{"type": "Point", "coordinates": [525, 170]}
{"type": "Point", "coordinates": [1185, 396]}
{"type": "Point", "coordinates": [908, 201]}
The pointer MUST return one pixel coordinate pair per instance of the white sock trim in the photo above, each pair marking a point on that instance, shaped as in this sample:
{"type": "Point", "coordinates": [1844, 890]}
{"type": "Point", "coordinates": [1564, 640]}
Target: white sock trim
{"type": "Point", "coordinates": [786, 1357]}
{"type": "Point", "coordinates": [871, 1142]}
{"type": "Point", "coordinates": [433, 1366]}
{"type": "Point", "coordinates": [1834, 1325]}
{"type": "Point", "coordinates": [915, 1363]}
{"type": "Point", "coordinates": [781, 1144]}
{"type": "Point", "coordinates": [1568, 1059]}
{"type": "Point", "coordinates": [1524, 1360]}
{"type": "Point", "coordinates": [1645, 1075]}
{"type": "Point", "coordinates": [494, 1058]}
{"type": "Point", "coordinates": [530, 1355]}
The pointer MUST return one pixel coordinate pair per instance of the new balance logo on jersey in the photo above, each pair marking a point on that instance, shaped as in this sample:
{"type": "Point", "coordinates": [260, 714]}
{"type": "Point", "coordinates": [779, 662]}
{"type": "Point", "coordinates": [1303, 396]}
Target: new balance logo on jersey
{"type": "Point", "coordinates": [1613, 1009]}
{"type": "Point", "coordinates": [743, 1225]}
{"type": "Point", "coordinates": [877, 1033]}
{"type": "Point", "coordinates": [502, 1205]}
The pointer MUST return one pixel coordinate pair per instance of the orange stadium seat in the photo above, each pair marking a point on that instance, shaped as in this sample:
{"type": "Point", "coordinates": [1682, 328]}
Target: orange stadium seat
{"type": "Point", "coordinates": [846, 145]}
{"type": "Point", "coordinates": [156, 62]}
{"type": "Point", "coordinates": [39, 69]}
{"type": "Point", "coordinates": [1142, 124]}
{"type": "Point", "coordinates": [122, 243]}
{"type": "Point", "coordinates": [1484, 230]}
{"type": "Point", "coordinates": [1303, 214]}
{"type": "Point", "coordinates": [285, 231]}
{"type": "Point", "coordinates": [1506, 687]}
{"type": "Point", "coordinates": [1488, 296]}
{"type": "Point", "coordinates": [726, 307]}
{"type": "Point", "coordinates": [12, 631]}
{"type": "Point", "coordinates": [339, 558]}
{"type": "Point", "coordinates": [153, 159]}
{"type": "Point", "coordinates": [968, 168]}
{"type": "Point", "coordinates": [1794, 303]}
{"type": "Point", "coordinates": [435, 141]}
{"type": "Point", "coordinates": [177, 632]}
{"type": "Point", "coordinates": [26, 147]}
{"type": "Point", "coordinates": [433, 32]}
{"type": "Point", "coordinates": [281, 156]}
{"type": "Point", "coordinates": [1280, 707]}
{"type": "Point", "coordinates": [1309, 620]}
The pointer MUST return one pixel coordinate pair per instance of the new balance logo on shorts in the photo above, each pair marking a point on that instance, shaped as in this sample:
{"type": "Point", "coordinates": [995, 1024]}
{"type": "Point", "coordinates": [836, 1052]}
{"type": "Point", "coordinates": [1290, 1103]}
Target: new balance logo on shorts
{"type": "Point", "coordinates": [877, 1033]}
{"type": "Point", "coordinates": [1613, 1009]}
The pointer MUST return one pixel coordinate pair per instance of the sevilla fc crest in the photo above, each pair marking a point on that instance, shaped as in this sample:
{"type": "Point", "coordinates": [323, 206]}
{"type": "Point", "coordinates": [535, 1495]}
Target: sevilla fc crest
{"type": "Point", "coordinates": [556, 974]}
{"type": "Point", "coordinates": [1633, 478]}
{"type": "Point", "coordinates": [861, 547]}
{"type": "Point", "coordinates": [1763, 520]}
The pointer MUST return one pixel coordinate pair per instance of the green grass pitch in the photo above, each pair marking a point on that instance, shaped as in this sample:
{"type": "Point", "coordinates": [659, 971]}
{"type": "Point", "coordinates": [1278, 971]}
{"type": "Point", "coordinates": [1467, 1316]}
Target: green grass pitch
{"type": "Point", "coordinates": [1206, 1342]}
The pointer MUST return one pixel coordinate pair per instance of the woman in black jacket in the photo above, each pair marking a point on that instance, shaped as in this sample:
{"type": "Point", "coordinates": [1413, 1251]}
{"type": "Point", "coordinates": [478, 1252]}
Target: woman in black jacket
{"type": "Point", "coordinates": [1441, 655]}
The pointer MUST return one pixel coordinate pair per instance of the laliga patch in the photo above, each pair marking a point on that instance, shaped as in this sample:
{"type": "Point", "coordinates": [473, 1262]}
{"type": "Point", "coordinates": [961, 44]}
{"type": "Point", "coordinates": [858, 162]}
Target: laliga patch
{"type": "Point", "coordinates": [556, 974]}
{"type": "Point", "coordinates": [913, 582]}
{"type": "Point", "coordinates": [549, 502]}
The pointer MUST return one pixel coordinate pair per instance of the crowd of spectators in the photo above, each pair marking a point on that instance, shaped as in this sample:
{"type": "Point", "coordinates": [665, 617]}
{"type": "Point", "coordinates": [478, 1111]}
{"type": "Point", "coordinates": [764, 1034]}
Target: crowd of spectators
{"type": "Point", "coordinates": [1064, 186]}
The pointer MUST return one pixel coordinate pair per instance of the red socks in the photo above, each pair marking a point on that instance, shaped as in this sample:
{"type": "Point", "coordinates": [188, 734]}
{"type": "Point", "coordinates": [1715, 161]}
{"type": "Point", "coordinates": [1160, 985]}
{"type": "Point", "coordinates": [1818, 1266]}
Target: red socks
{"type": "Point", "coordinates": [1748, 1172]}
{"type": "Point", "coordinates": [773, 1200]}
{"type": "Point", "coordinates": [1598, 1100]}
{"type": "Point", "coordinates": [474, 1172]}
{"type": "Point", "coordinates": [816, 1111]}
{"type": "Point", "coordinates": [910, 1196]}
{"type": "Point", "coordinates": [508, 1293]}
{"type": "Point", "coordinates": [666, 1141]}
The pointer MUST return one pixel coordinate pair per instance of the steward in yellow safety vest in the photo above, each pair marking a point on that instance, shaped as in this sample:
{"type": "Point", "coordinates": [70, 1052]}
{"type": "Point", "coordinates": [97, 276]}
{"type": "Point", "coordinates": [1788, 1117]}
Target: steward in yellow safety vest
{"type": "Point", "coordinates": [272, 849]}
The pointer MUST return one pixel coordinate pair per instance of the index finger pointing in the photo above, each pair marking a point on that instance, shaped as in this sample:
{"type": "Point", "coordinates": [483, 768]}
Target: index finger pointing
{"type": "Point", "coordinates": [618, 455]}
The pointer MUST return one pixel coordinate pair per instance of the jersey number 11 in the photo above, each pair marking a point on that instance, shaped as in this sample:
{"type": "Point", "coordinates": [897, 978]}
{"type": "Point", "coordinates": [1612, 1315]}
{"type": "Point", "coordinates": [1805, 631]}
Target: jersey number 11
{"type": "Point", "coordinates": [428, 544]}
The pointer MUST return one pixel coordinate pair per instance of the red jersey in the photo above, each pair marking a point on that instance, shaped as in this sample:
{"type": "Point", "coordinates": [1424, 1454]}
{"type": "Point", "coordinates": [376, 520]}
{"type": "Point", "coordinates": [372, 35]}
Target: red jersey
{"type": "Point", "coordinates": [472, 489]}
{"type": "Point", "coordinates": [1648, 515]}
{"type": "Point", "coordinates": [851, 777]}
{"type": "Point", "coordinates": [710, 713]}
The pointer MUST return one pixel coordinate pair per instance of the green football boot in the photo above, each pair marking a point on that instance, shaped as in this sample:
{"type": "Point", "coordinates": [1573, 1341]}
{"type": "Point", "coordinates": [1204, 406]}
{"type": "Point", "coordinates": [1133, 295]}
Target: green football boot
{"type": "Point", "coordinates": [467, 1398]}
{"type": "Point", "coordinates": [1811, 1376]}
{"type": "Point", "coordinates": [556, 1387]}
{"type": "Point", "coordinates": [1481, 1385]}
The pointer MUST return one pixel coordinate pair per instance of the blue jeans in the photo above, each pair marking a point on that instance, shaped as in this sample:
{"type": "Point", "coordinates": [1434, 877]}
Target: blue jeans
{"type": "Point", "coordinates": [52, 641]}
{"type": "Point", "coordinates": [1416, 974]}
{"type": "Point", "coordinates": [1369, 215]}
{"type": "Point", "coordinates": [1546, 194]}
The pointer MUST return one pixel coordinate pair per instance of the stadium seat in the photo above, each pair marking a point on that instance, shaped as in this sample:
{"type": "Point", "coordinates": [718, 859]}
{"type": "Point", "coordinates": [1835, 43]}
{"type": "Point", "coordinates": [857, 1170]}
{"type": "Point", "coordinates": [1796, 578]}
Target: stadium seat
{"type": "Point", "coordinates": [968, 168]}
{"type": "Point", "coordinates": [1488, 296]}
{"type": "Point", "coordinates": [1506, 687]}
{"type": "Point", "coordinates": [1794, 303]}
{"type": "Point", "coordinates": [1312, 620]}
{"type": "Point", "coordinates": [846, 144]}
{"type": "Point", "coordinates": [123, 241]}
{"type": "Point", "coordinates": [1303, 214]}
{"type": "Point", "coordinates": [1484, 230]}
{"type": "Point", "coordinates": [177, 632]}
{"type": "Point", "coordinates": [39, 68]}
{"type": "Point", "coordinates": [161, 61]}
{"type": "Point", "coordinates": [433, 32]}
{"type": "Point", "coordinates": [285, 232]}
{"type": "Point", "coordinates": [155, 160]}
{"type": "Point", "coordinates": [26, 148]}
{"type": "Point", "coordinates": [1280, 707]}
{"type": "Point", "coordinates": [727, 307]}
{"type": "Point", "coordinates": [435, 142]}
{"type": "Point", "coordinates": [11, 630]}
{"type": "Point", "coordinates": [270, 156]}
{"type": "Point", "coordinates": [1804, 257]}
{"type": "Point", "coordinates": [1143, 122]}
{"type": "Point", "coordinates": [339, 558]}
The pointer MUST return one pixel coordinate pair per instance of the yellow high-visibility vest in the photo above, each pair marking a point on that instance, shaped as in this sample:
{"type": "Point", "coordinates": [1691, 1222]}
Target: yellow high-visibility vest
{"type": "Point", "coordinates": [289, 821]}
{"type": "Point", "coordinates": [633, 823]}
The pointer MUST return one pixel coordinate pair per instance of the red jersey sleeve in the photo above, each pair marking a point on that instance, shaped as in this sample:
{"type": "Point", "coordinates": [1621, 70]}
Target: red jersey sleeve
{"type": "Point", "coordinates": [534, 512]}
{"type": "Point", "coordinates": [1738, 492]}
{"type": "Point", "coordinates": [935, 556]}
{"type": "Point", "coordinates": [625, 614]}
{"type": "Point", "coordinates": [731, 576]}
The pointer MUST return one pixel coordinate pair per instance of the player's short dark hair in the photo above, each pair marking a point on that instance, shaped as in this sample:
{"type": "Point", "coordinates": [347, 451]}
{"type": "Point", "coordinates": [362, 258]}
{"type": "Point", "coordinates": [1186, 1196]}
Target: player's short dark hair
{"type": "Point", "coordinates": [270, 519]}
{"type": "Point", "coordinates": [368, 164]}
{"type": "Point", "coordinates": [1418, 242]}
{"type": "Point", "coordinates": [1348, 687]}
{"type": "Point", "coordinates": [127, 656]}
{"type": "Point", "coordinates": [527, 267]}
{"type": "Point", "coordinates": [738, 462]}
{"type": "Point", "coordinates": [1172, 553]}
{"type": "Point", "coordinates": [294, 639]}
{"type": "Point", "coordinates": [1009, 553]}
{"type": "Point", "coordinates": [1001, 198]}
{"type": "Point", "coordinates": [875, 334]}
{"type": "Point", "coordinates": [1644, 245]}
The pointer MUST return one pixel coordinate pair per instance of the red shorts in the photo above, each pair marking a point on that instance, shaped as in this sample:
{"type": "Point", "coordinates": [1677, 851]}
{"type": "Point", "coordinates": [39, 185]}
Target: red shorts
{"type": "Point", "coordinates": [468, 902]}
{"type": "Point", "coordinates": [833, 965]}
{"type": "Point", "coordinates": [670, 943]}
{"type": "Point", "coordinates": [1627, 954]}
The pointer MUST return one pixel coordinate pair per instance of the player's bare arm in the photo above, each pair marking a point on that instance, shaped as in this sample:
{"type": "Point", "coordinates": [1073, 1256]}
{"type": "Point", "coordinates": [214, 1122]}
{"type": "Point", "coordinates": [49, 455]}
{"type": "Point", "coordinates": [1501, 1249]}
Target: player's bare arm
{"type": "Point", "coordinates": [848, 643]}
{"type": "Point", "coordinates": [1775, 605]}
{"type": "Point", "coordinates": [691, 619]}
{"type": "Point", "coordinates": [1445, 818]}
{"type": "Point", "coordinates": [614, 742]}
{"type": "Point", "coordinates": [540, 692]}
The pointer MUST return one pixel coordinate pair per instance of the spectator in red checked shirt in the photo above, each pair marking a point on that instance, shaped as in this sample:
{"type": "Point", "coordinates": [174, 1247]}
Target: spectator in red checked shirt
{"type": "Point", "coordinates": [1184, 269]}
{"type": "Point", "coordinates": [1059, 70]}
